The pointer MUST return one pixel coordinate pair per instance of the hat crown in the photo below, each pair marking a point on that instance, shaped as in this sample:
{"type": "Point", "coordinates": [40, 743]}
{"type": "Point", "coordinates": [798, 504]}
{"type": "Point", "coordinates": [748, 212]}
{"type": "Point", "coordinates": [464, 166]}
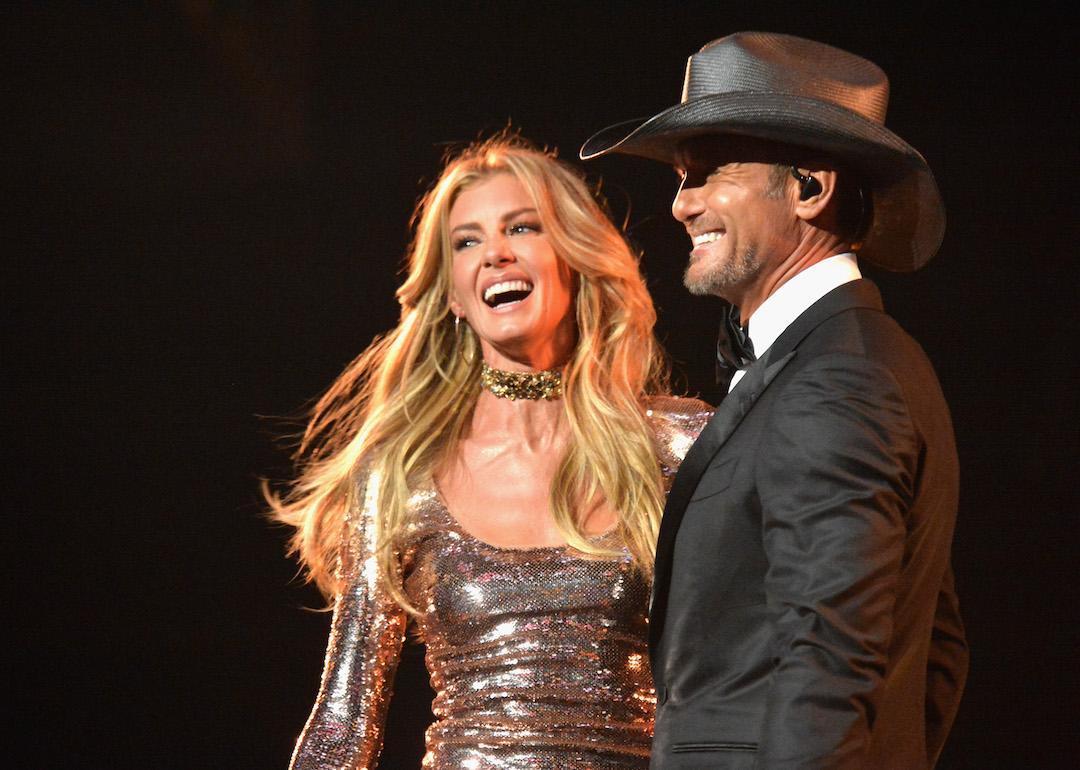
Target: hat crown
{"type": "Point", "coordinates": [767, 62]}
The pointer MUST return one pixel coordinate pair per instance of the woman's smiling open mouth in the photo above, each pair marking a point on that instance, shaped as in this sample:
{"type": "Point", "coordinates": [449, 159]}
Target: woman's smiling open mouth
{"type": "Point", "coordinates": [506, 293]}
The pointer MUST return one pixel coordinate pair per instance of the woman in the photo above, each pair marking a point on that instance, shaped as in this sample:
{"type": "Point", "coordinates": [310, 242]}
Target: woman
{"type": "Point", "coordinates": [493, 470]}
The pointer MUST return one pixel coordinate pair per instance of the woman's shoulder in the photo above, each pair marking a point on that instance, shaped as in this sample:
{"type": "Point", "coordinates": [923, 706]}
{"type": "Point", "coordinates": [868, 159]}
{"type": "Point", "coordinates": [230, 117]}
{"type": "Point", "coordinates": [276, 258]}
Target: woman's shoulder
{"type": "Point", "coordinates": [423, 512]}
{"type": "Point", "coordinates": [677, 407]}
{"type": "Point", "coordinates": [676, 423]}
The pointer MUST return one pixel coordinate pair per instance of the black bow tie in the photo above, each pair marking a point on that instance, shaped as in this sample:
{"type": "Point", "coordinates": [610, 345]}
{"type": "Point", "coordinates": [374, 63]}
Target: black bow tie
{"type": "Point", "coordinates": [734, 350]}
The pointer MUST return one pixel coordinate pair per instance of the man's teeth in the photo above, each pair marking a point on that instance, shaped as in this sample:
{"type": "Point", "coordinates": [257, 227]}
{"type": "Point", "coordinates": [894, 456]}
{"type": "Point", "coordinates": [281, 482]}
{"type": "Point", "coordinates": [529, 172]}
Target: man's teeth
{"type": "Point", "coordinates": [708, 237]}
{"type": "Point", "coordinates": [504, 287]}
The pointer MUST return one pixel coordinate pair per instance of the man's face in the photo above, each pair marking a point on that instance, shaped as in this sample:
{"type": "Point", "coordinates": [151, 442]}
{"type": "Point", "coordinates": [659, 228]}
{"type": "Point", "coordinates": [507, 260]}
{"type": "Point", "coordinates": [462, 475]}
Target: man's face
{"type": "Point", "coordinates": [739, 216]}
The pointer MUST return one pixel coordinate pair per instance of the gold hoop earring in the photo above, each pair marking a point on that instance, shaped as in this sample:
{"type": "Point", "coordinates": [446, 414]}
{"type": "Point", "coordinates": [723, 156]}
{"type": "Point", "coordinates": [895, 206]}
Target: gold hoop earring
{"type": "Point", "coordinates": [460, 341]}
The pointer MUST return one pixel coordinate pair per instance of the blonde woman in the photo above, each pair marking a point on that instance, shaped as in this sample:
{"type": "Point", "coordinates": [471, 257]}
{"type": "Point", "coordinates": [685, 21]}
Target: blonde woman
{"type": "Point", "coordinates": [494, 469]}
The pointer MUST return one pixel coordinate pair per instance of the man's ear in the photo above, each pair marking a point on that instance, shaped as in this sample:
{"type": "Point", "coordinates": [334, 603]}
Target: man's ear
{"type": "Point", "coordinates": [816, 188]}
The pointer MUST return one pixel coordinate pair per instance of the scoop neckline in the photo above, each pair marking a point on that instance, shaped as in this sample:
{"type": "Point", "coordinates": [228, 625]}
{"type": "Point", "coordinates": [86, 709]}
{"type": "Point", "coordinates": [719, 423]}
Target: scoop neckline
{"type": "Point", "coordinates": [458, 527]}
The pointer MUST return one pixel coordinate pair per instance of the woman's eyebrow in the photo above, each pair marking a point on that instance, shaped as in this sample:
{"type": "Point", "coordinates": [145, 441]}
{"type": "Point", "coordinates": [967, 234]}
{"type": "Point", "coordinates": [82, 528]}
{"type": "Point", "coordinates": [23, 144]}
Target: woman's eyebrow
{"type": "Point", "coordinates": [504, 218]}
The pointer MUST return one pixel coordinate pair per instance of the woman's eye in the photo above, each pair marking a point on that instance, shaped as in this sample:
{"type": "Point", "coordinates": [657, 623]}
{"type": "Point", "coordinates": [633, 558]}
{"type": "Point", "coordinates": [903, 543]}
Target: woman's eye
{"type": "Point", "coordinates": [524, 227]}
{"type": "Point", "coordinates": [464, 242]}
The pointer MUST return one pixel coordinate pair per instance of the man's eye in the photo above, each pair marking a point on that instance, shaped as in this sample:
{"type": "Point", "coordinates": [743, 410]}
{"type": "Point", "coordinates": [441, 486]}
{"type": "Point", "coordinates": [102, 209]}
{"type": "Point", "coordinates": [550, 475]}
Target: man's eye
{"type": "Point", "coordinates": [697, 176]}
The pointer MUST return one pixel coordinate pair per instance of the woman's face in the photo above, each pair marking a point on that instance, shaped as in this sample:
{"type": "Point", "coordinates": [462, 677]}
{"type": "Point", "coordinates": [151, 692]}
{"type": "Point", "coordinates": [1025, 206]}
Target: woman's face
{"type": "Point", "coordinates": [507, 281]}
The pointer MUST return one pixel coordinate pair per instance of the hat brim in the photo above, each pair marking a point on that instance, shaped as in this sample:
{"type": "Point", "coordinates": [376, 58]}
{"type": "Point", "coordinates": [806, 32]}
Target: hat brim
{"type": "Point", "coordinates": [909, 214]}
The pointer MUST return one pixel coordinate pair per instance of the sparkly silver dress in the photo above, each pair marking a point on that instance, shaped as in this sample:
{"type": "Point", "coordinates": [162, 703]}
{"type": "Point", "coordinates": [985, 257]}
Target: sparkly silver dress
{"type": "Point", "coordinates": [538, 656]}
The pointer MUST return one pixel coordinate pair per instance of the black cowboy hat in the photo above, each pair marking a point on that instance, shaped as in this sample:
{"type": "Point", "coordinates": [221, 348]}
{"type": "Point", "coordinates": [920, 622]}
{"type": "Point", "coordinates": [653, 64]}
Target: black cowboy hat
{"type": "Point", "coordinates": [800, 92]}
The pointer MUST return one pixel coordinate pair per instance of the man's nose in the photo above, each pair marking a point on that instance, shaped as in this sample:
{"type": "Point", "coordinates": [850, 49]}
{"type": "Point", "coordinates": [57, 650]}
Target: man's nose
{"type": "Point", "coordinates": [687, 203]}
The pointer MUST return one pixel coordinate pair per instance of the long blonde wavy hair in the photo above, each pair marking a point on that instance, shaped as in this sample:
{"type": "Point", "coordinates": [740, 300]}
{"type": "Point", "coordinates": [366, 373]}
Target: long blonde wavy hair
{"type": "Point", "coordinates": [399, 409]}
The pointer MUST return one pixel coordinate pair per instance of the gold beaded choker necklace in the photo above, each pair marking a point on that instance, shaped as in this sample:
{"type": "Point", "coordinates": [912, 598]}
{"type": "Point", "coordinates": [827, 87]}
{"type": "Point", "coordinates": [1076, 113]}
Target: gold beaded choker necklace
{"type": "Point", "coordinates": [527, 385]}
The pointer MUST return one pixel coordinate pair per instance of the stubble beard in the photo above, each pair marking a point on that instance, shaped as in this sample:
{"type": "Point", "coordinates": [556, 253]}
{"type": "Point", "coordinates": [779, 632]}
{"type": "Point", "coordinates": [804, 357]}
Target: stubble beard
{"type": "Point", "coordinates": [720, 277]}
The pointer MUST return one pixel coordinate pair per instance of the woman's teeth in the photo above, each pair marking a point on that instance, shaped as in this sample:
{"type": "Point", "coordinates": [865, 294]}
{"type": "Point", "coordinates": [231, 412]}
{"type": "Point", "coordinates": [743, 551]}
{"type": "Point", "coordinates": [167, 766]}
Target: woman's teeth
{"type": "Point", "coordinates": [506, 292]}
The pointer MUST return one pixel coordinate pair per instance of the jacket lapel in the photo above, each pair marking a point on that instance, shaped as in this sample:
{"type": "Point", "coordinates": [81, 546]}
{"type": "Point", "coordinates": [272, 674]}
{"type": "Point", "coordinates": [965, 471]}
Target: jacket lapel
{"type": "Point", "coordinates": [728, 415]}
{"type": "Point", "coordinates": [723, 423]}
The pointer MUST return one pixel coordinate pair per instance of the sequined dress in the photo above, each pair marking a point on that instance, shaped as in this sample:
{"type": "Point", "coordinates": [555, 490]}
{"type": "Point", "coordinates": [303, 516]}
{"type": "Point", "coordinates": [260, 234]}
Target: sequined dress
{"type": "Point", "coordinates": [538, 657]}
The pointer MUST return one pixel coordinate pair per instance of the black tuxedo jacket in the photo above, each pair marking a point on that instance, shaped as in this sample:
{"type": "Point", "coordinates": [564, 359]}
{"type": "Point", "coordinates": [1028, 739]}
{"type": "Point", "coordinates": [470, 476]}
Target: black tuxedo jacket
{"type": "Point", "coordinates": [803, 611]}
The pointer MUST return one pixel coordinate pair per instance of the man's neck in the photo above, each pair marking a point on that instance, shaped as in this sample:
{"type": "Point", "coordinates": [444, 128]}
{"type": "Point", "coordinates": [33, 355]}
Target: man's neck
{"type": "Point", "coordinates": [815, 248]}
{"type": "Point", "coordinates": [793, 297]}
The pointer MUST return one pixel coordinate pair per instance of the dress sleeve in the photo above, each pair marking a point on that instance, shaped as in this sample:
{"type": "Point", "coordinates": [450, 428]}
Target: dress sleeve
{"type": "Point", "coordinates": [345, 729]}
{"type": "Point", "coordinates": [676, 423]}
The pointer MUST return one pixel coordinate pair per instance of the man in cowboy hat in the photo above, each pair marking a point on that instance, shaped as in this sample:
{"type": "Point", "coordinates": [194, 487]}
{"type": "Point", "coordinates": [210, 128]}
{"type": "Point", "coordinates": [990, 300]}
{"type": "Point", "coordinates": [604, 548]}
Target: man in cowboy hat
{"type": "Point", "coordinates": [803, 611]}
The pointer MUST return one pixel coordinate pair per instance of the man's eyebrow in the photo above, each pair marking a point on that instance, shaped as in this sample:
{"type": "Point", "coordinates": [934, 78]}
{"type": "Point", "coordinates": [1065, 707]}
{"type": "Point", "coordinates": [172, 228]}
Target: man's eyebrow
{"type": "Point", "coordinates": [505, 218]}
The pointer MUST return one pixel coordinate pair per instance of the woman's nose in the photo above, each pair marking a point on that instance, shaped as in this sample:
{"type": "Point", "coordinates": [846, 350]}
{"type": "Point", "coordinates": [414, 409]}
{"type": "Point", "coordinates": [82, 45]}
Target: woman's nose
{"type": "Point", "coordinates": [498, 252]}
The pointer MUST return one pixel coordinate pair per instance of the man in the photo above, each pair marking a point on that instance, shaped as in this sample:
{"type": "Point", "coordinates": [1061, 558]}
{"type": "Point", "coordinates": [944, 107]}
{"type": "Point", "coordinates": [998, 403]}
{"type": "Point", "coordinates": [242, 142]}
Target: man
{"type": "Point", "coordinates": [803, 610]}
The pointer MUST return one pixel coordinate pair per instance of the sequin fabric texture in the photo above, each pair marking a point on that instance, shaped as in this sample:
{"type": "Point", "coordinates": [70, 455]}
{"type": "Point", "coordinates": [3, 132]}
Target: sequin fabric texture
{"type": "Point", "coordinates": [538, 656]}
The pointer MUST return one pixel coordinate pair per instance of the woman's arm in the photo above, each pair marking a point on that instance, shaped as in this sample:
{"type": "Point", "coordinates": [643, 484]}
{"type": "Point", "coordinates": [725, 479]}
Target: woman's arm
{"type": "Point", "coordinates": [345, 729]}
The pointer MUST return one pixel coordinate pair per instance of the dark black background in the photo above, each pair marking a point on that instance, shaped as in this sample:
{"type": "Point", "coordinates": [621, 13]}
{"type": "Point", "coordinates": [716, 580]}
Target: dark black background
{"type": "Point", "coordinates": [206, 208]}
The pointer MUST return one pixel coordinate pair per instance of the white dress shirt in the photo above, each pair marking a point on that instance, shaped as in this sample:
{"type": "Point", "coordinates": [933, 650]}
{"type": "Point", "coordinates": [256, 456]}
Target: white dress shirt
{"type": "Point", "coordinates": [792, 298]}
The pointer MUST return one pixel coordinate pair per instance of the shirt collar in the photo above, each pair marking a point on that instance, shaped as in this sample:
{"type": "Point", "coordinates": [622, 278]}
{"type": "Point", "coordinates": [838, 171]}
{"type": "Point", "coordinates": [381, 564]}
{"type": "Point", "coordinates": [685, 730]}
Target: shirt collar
{"type": "Point", "coordinates": [798, 293]}
{"type": "Point", "coordinates": [793, 297]}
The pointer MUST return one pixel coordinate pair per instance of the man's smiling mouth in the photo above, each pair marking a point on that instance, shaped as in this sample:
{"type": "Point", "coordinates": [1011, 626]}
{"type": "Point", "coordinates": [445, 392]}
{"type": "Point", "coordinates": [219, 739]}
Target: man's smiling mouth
{"type": "Point", "coordinates": [709, 237]}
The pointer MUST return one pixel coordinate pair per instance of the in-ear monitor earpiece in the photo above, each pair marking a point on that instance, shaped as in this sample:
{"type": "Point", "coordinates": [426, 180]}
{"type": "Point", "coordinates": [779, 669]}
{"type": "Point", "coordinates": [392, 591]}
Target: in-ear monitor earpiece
{"type": "Point", "coordinates": [808, 186]}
